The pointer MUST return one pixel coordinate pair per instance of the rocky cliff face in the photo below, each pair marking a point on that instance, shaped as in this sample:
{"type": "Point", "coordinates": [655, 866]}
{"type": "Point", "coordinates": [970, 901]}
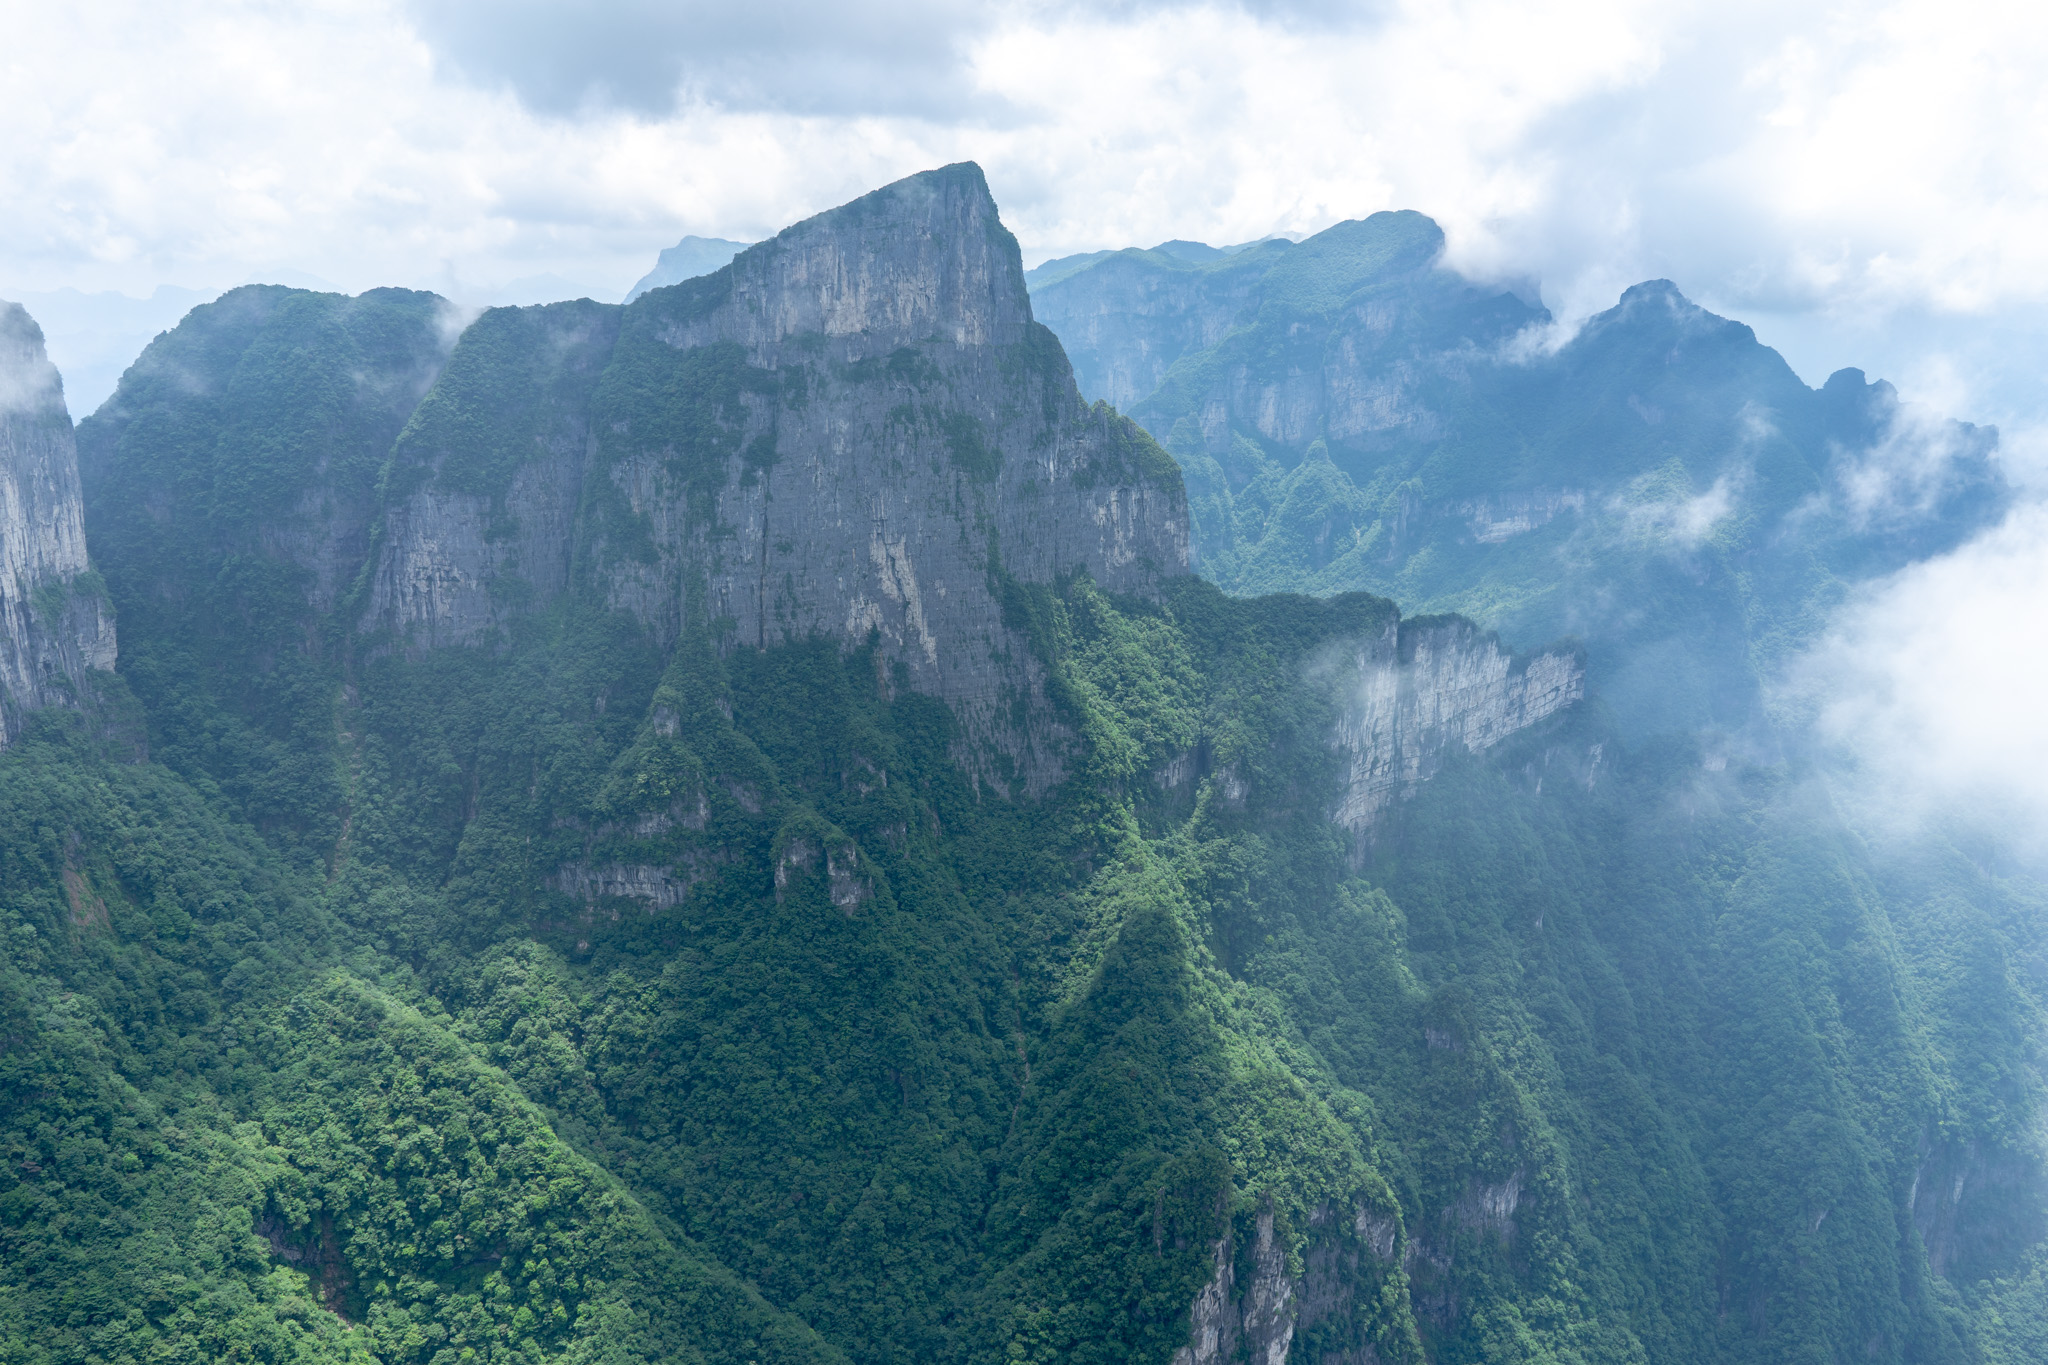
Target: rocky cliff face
{"type": "Point", "coordinates": [55, 622]}
{"type": "Point", "coordinates": [487, 477]}
{"type": "Point", "coordinates": [1427, 687]}
{"type": "Point", "coordinates": [854, 428]}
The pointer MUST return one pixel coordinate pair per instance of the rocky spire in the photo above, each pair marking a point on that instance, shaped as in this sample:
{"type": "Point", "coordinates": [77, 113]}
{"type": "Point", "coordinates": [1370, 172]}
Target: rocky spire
{"type": "Point", "coordinates": [923, 260]}
{"type": "Point", "coordinates": [55, 623]}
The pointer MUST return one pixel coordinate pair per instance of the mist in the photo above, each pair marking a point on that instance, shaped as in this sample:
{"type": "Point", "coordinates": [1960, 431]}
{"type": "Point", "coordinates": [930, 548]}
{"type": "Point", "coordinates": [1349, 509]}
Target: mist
{"type": "Point", "coordinates": [1926, 691]}
{"type": "Point", "coordinates": [1866, 183]}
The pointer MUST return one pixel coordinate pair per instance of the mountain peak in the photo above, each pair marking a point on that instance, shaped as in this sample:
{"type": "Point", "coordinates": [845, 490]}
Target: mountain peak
{"type": "Point", "coordinates": [1651, 293]}
{"type": "Point", "coordinates": [28, 381]}
{"type": "Point", "coordinates": [923, 260]}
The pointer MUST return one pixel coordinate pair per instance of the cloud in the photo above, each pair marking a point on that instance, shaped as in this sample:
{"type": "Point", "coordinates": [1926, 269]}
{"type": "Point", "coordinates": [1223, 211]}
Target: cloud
{"type": "Point", "coordinates": [1832, 170]}
{"type": "Point", "coordinates": [1927, 691]}
{"type": "Point", "coordinates": [1903, 475]}
{"type": "Point", "coordinates": [1685, 521]}
{"type": "Point", "coordinates": [28, 382]}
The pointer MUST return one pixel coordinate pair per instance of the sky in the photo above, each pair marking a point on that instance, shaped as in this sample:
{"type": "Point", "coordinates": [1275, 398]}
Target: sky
{"type": "Point", "coordinates": [1865, 182]}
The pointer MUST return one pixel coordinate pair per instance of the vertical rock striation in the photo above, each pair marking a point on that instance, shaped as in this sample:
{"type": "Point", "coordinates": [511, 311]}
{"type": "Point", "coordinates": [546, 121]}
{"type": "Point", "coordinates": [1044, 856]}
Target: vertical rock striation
{"type": "Point", "coordinates": [854, 430]}
{"type": "Point", "coordinates": [1425, 687]}
{"type": "Point", "coordinates": [55, 622]}
{"type": "Point", "coordinates": [487, 476]}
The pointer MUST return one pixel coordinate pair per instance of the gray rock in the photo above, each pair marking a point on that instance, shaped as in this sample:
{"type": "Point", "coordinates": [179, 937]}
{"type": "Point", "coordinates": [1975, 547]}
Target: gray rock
{"type": "Point", "coordinates": [856, 429]}
{"type": "Point", "coordinates": [1423, 689]}
{"type": "Point", "coordinates": [55, 622]}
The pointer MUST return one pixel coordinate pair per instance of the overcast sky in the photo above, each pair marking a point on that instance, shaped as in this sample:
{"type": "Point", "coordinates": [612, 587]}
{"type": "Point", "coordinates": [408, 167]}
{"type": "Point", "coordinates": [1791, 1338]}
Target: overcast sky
{"type": "Point", "coordinates": [1866, 183]}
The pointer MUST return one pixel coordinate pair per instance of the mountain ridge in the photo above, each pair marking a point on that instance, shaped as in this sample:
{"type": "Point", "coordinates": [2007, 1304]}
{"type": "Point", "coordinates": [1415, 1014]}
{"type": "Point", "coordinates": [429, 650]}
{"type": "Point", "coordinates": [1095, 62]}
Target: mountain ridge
{"type": "Point", "coordinates": [564, 922]}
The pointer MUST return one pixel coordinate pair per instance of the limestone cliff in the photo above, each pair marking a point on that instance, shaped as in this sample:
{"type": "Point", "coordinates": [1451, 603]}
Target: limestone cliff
{"type": "Point", "coordinates": [1426, 687]}
{"type": "Point", "coordinates": [55, 622]}
{"type": "Point", "coordinates": [487, 477]}
{"type": "Point", "coordinates": [854, 428]}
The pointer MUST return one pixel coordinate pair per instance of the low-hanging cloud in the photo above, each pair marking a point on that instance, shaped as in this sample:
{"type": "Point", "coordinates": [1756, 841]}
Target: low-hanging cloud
{"type": "Point", "coordinates": [1927, 691]}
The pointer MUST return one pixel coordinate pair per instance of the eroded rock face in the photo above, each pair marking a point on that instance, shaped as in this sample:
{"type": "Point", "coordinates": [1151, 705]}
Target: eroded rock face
{"type": "Point", "coordinates": [1253, 1321]}
{"type": "Point", "coordinates": [855, 428]}
{"type": "Point", "coordinates": [1422, 688]}
{"type": "Point", "coordinates": [1255, 1309]}
{"type": "Point", "coordinates": [55, 622]}
{"type": "Point", "coordinates": [488, 476]}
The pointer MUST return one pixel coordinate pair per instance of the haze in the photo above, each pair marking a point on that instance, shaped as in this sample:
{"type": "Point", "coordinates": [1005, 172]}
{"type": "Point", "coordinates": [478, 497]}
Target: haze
{"type": "Point", "coordinates": [1862, 182]}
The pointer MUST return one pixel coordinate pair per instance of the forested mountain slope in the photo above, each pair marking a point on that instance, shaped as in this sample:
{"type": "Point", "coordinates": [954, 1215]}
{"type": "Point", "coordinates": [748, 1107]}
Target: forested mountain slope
{"type": "Point", "coordinates": [722, 829]}
{"type": "Point", "coordinates": [1350, 415]}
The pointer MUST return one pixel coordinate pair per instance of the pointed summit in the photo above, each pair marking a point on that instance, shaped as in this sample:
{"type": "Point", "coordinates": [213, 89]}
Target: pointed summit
{"type": "Point", "coordinates": [923, 260]}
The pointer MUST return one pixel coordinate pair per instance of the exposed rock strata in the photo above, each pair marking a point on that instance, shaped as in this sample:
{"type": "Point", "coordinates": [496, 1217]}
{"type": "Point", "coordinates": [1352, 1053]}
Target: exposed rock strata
{"type": "Point", "coordinates": [488, 476]}
{"type": "Point", "coordinates": [55, 622]}
{"type": "Point", "coordinates": [1422, 688]}
{"type": "Point", "coordinates": [1347, 1255]}
{"type": "Point", "coordinates": [855, 428]}
{"type": "Point", "coordinates": [1254, 1322]}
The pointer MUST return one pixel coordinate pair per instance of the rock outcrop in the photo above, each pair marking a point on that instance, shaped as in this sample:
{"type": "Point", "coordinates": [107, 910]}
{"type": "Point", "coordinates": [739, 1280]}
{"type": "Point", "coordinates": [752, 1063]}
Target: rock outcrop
{"type": "Point", "coordinates": [1423, 688]}
{"type": "Point", "coordinates": [855, 429]}
{"type": "Point", "coordinates": [1253, 1321]}
{"type": "Point", "coordinates": [1254, 1307]}
{"type": "Point", "coordinates": [487, 477]}
{"type": "Point", "coordinates": [55, 622]}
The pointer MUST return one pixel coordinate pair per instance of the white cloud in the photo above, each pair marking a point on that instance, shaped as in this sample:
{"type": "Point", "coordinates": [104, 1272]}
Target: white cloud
{"type": "Point", "coordinates": [1835, 171]}
{"type": "Point", "coordinates": [1929, 689]}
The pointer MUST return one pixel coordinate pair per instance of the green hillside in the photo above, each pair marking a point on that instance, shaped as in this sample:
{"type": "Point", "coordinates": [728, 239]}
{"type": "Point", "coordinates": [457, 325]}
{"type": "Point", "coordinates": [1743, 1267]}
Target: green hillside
{"type": "Point", "coordinates": [1354, 417]}
{"type": "Point", "coordinates": [611, 987]}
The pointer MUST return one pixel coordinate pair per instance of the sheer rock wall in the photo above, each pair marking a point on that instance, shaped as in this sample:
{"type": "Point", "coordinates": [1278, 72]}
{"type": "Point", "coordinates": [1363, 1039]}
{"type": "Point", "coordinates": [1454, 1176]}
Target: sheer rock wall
{"type": "Point", "coordinates": [55, 623]}
{"type": "Point", "coordinates": [1424, 687]}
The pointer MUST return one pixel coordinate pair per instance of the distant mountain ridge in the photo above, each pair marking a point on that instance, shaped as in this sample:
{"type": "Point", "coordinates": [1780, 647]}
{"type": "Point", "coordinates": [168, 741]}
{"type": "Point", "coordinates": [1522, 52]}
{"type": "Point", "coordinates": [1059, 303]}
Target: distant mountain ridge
{"type": "Point", "coordinates": [1351, 415]}
{"type": "Point", "coordinates": [686, 260]}
{"type": "Point", "coordinates": [720, 829]}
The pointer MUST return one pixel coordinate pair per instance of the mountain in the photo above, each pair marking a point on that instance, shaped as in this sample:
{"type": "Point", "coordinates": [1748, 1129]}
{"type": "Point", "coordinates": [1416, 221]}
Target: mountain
{"type": "Point", "coordinates": [93, 337]}
{"type": "Point", "coordinates": [56, 625]}
{"type": "Point", "coordinates": [722, 828]}
{"type": "Point", "coordinates": [1351, 415]}
{"type": "Point", "coordinates": [686, 260]}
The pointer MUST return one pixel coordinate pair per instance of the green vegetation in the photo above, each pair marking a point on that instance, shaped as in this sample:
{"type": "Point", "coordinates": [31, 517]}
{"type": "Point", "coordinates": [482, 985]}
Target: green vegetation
{"type": "Point", "coordinates": [586, 995]}
{"type": "Point", "coordinates": [1350, 417]}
